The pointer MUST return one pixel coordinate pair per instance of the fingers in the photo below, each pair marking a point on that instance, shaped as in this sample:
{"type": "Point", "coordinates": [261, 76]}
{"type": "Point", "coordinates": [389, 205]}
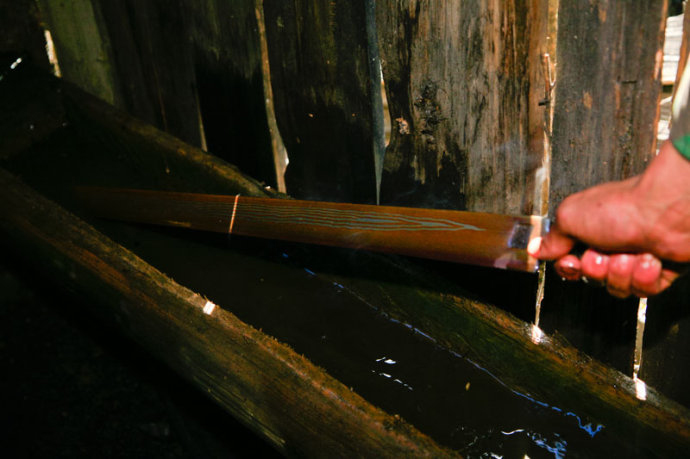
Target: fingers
{"type": "Point", "coordinates": [569, 267]}
{"type": "Point", "coordinates": [623, 275]}
{"type": "Point", "coordinates": [620, 273]}
{"type": "Point", "coordinates": [553, 245]}
{"type": "Point", "coordinates": [595, 266]}
{"type": "Point", "coordinates": [646, 277]}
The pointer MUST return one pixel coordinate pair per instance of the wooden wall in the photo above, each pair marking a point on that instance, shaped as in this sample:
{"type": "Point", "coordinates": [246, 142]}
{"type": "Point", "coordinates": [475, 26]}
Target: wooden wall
{"type": "Point", "coordinates": [464, 82]}
{"type": "Point", "coordinates": [475, 123]}
{"type": "Point", "coordinates": [606, 110]}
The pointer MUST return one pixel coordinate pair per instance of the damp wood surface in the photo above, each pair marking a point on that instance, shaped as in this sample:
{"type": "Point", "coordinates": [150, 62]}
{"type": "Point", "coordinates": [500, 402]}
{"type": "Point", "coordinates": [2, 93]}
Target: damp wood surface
{"type": "Point", "coordinates": [464, 83]}
{"type": "Point", "coordinates": [399, 291]}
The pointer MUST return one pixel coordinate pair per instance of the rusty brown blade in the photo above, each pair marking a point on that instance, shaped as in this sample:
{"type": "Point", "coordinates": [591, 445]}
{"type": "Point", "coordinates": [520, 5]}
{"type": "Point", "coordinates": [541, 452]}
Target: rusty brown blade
{"type": "Point", "coordinates": [498, 241]}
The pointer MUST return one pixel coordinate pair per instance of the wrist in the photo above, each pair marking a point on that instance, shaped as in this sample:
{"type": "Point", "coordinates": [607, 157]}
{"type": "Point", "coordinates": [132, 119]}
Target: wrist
{"type": "Point", "coordinates": [661, 196]}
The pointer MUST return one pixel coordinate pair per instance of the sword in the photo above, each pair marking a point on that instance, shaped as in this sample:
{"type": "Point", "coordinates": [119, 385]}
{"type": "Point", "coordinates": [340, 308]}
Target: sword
{"type": "Point", "coordinates": [484, 239]}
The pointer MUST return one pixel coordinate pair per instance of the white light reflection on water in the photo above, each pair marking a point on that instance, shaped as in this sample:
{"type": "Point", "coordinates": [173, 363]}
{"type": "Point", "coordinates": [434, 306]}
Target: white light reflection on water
{"type": "Point", "coordinates": [557, 446]}
{"type": "Point", "coordinates": [389, 361]}
{"type": "Point", "coordinates": [589, 428]}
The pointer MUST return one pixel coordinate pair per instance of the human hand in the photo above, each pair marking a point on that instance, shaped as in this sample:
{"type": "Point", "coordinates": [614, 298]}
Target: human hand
{"type": "Point", "coordinates": [630, 226]}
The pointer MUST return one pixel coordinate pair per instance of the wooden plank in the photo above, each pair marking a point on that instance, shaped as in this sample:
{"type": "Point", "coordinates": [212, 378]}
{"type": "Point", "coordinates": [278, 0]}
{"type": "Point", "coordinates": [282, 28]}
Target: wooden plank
{"type": "Point", "coordinates": [605, 117]}
{"type": "Point", "coordinates": [604, 129]}
{"type": "Point", "coordinates": [207, 90]}
{"type": "Point", "coordinates": [248, 373]}
{"type": "Point", "coordinates": [154, 66]}
{"type": "Point", "coordinates": [256, 378]}
{"type": "Point", "coordinates": [82, 46]}
{"type": "Point", "coordinates": [464, 81]}
{"type": "Point", "coordinates": [321, 84]}
{"type": "Point", "coordinates": [227, 62]}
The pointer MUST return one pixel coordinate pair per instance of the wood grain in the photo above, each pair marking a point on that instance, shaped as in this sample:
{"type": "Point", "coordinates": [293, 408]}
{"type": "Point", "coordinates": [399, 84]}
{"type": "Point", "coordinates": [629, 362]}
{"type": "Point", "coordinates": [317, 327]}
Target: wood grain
{"type": "Point", "coordinates": [607, 93]}
{"type": "Point", "coordinates": [320, 75]}
{"type": "Point", "coordinates": [464, 81]}
{"type": "Point", "coordinates": [476, 238]}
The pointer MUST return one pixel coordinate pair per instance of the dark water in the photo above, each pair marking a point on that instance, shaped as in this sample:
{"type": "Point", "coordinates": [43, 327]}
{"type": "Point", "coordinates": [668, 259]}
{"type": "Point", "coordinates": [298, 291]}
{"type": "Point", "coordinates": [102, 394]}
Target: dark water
{"type": "Point", "coordinates": [287, 291]}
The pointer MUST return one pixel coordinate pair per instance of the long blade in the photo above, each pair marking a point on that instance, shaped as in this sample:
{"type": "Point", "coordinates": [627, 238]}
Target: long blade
{"type": "Point", "coordinates": [484, 239]}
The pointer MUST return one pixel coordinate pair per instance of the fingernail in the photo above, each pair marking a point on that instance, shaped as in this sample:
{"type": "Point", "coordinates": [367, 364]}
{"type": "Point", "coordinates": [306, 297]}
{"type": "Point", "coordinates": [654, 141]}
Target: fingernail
{"type": "Point", "coordinates": [569, 264]}
{"type": "Point", "coordinates": [647, 261]}
{"type": "Point", "coordinates": [533, 246]}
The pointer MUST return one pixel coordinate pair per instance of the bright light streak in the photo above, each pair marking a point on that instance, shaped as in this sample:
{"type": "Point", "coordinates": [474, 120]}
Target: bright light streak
{"type": "Point", "coordinates": [640, 389]}
{"type": "Point", "coordinates": [52, 56]}
{"type": "Point", "coordinates": [537, 334]}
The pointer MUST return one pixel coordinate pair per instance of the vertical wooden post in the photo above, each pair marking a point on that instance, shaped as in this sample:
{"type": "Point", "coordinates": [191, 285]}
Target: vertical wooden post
{"type": "Point", "coordinates": [321, 84]}
{"type": "Point", "coordinates": [607, 95]}
{"type": "Point", "coordinates": [82, 46]}
{"type": "Point", "coordinates": [464, 84]}
{"type": "Point", "coordinates": [184, 64]}
{"type": "Point", "coordinates": [153, 65]}
{"type": "Point", "coordinates": [229, 77]}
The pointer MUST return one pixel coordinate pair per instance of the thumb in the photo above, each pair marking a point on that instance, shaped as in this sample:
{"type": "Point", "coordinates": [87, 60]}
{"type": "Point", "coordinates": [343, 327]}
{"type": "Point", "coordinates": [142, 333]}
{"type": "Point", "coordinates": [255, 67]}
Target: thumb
{"type": "Point", "coordinates": [553, 245]}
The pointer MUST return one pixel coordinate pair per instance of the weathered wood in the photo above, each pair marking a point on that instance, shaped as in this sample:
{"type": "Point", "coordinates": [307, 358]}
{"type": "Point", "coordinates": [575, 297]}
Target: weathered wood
{"type": "Point", "coordinates": [464, 81]}
{"type": "Point", "coordinates": [536, 366]}
{"type": "Point", "coordinates": [211, 78]}
{"type": "Point", "coordinates": [605, 117]}
{"type": "Point", "coordinates": [276, 392]}
{"type": "Point", "coordinates": [483, 239]}
{"type": "Point", "coordinates": [227, 63]}
{"type": "Point", "coordinates": [153, 67]}
{"type": "Point", "coordinates": [167, 157]}
{"type": "Point", "coordinates": [606, 109]}
{"type": "Point", "coordinates": [321, 84]}
{"type": "Point", "coordinates": [82, 46]}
